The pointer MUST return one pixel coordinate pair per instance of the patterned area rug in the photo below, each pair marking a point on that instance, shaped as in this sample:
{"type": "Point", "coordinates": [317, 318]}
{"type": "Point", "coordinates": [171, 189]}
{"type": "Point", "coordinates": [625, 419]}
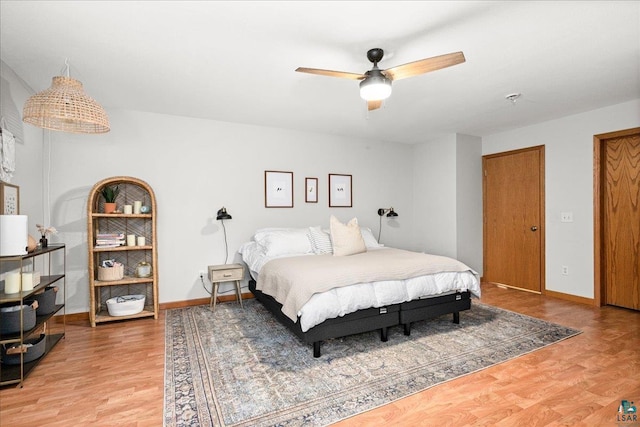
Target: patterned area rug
{"type": "Point", "coordinates": [240, 367]}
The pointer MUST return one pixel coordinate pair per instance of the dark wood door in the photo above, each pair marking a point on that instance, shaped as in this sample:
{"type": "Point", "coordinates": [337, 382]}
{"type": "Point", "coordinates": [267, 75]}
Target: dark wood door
{"type": "Point", "coordinates": [621, 220]}
{"type": "Point", "coordinates": [513, 210]}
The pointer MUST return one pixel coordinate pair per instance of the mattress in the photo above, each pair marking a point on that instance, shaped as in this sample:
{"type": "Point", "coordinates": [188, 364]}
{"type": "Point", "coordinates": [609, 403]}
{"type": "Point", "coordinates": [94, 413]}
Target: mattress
{"type": "Point", "coordinates": [343, 300]}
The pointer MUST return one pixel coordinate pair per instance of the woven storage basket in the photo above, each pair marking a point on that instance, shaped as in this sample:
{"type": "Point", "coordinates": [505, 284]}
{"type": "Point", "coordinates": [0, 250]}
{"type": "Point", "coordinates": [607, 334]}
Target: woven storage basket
{"type": "Point", "coordinates": [111, 273]}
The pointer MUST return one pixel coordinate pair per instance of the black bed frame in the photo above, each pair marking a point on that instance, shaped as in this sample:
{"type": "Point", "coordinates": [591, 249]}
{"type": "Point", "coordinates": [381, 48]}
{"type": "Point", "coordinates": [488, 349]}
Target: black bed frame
{"type": "Point", "coordinates": [370, 319]}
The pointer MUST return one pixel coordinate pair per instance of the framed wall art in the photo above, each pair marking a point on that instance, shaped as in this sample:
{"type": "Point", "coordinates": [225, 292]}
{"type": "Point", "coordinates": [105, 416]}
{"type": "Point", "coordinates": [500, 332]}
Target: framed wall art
{"type": "Point", "coordinates": [9, 199]}
{"type": "Point", "coordinates": [340, 191]}
{"type": "Point", "coordinates": [278, 189]}
{"type": "Point", "coordinates": [311, 190]}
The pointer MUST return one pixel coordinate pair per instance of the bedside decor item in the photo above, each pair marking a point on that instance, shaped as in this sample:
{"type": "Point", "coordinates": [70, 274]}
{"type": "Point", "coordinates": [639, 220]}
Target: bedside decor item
{"type": "Point", "coordinates": [278, 189]}
{"type": "Point", "coordinates": [340, 191]}
{"type": "Point", "coordinates": [127, 209]}
{"type": "Point", "coordinates": [9, 199]}
{"type": "Point", "coordinates": [221, 216]}
{"type": "Point", "coordinates": [110, 194]}
{"type": "Point", "coordinates": [311, 190]}
{"type": "Point", "coordinates": [13, 235]}
{"type": "Point", "coordinates": [144, 209]}
{"type": "Point", "coordinates": [390, 214]}
{"type": "Point", "coordinates": [137, 206]}
{"type": "Point", "coordinates": [65, 107]}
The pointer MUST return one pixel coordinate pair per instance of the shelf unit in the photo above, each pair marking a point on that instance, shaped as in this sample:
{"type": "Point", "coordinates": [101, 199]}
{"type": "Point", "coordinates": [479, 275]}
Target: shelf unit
{"type": "Point", "coordinates": [54, 259]}
{"type": "Point", "coordinates": [141, 225]}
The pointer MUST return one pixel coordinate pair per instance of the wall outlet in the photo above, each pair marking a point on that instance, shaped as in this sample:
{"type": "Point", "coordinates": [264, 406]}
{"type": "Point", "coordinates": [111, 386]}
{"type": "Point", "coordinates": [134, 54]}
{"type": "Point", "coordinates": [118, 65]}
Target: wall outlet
{"type": "Point", "coordinates": [566, 216]}
{"type": "Point", "coordinates": [565, 270]}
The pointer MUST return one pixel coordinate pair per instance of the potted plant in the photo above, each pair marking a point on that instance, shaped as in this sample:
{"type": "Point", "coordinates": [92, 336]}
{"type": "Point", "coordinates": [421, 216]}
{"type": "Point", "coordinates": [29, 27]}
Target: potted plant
{"type": "Point", "coordinates": [110, 194]}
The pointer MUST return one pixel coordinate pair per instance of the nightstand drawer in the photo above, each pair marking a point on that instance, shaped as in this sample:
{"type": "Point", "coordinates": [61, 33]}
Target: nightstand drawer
{"type": "Point", "coordinates": [225, 273]}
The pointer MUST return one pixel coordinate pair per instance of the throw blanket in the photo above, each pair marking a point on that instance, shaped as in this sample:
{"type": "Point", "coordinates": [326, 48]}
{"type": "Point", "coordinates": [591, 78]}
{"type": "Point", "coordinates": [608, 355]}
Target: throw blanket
{"type": "Point", "coordinates": [293, 280]}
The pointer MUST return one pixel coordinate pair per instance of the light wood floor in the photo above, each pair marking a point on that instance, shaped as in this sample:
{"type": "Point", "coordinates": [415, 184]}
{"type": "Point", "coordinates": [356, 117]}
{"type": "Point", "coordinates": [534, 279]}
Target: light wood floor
{"type": "Point", "coordinates": [112, 375]}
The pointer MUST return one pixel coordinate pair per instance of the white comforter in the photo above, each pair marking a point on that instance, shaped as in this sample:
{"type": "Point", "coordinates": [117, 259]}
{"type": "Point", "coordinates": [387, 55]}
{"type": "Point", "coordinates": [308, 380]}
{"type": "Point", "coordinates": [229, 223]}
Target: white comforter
{"type": "Point", "coordinates": [348, 299]}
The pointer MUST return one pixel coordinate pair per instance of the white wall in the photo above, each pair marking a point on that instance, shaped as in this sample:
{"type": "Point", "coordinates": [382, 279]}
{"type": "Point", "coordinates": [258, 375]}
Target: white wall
{"type": "Point", "coordinates": [568, 187]}
{"type": "Point", "coordinates": [196, 166]}
{"type": "Point", "coordinates": [469, 201]}
{"type": "Point", "coordinates": [434, 198]}
{"type": "Point", "coordinates": [29, 169]}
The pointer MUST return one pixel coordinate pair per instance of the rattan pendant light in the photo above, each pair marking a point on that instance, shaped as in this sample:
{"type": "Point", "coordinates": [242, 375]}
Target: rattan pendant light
{"type": "Point", "coordinates": [65, 107]}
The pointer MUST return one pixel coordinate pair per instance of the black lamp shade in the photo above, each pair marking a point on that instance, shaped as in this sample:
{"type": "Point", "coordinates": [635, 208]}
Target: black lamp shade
{"type": "Point", "coordinates": [389, 211]}
{"type": "Point", "coordinates": [223, 214]}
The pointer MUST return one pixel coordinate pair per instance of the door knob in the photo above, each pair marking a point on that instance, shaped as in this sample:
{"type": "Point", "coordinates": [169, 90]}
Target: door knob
{"type": "Point", "coordinates": [534, 228]}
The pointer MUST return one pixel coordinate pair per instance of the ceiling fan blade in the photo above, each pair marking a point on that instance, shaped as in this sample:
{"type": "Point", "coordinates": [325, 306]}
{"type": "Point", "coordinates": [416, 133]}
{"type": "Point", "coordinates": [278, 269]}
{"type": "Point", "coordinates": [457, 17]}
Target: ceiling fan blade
{"type": "Point", "coordinates": [374, 105]}
{"type": "Point", "coordinates": [330, 73]}
{"type": "Point", "coordinates": [424, 66]}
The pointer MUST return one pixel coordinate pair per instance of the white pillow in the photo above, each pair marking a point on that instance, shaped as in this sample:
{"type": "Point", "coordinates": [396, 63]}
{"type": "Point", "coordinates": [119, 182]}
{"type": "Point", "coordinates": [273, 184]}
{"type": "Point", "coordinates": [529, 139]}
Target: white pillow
{"type": "Point", "coordinates": [369, 240]}
{"type": "Point", "coordinates": [284, 241]}
{"type": "Point", "coordinates": [320, 241]}
{"type": "Point", "coordinates": [346, 238]}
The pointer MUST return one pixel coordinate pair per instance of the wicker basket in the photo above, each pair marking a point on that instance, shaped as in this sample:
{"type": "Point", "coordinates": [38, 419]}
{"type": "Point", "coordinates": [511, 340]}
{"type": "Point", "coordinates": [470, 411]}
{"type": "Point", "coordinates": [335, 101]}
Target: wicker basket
{"type": "Point", "coordinates": [111, 273]}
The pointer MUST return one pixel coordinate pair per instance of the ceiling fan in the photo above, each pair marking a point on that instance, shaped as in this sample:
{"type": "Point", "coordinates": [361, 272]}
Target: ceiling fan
{"type": "Point", "coordinates": [375, 85]}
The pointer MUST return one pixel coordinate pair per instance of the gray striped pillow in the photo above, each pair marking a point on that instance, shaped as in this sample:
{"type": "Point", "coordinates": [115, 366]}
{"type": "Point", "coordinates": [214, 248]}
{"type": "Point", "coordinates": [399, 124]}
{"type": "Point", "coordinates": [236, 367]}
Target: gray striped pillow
{"type": "Point", "coordinates": [320, 241]}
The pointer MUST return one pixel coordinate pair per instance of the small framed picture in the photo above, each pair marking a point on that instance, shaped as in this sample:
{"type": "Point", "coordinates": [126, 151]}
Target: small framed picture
{"type": "Point", "coordinates": [311, 190]}
{"type": "Point", "coordinates": [9, 199]}
{"type": "Point", "coordinates": [340, 191]}
{"type": "Point", "coordinates": [278, 189]}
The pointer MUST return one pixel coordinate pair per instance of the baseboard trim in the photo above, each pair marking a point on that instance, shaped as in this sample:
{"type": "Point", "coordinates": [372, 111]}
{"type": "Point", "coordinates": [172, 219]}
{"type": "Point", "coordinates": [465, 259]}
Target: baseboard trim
{"type": "Point", "coordinates": [569, 297]}
{"type": "Point", "coordinates": [80, 317]}
{"type": "Point", "coordinates": [202, 301]}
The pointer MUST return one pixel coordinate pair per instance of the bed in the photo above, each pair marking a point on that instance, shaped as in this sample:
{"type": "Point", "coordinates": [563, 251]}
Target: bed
{"type": "Point", "coordinates": [320, 291]}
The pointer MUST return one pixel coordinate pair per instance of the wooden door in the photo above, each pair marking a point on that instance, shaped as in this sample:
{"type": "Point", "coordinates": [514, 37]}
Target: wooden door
{"type": "Point", "coordinates": [513, 211]}
{"type": "Point", "coordinates": [620, 210]}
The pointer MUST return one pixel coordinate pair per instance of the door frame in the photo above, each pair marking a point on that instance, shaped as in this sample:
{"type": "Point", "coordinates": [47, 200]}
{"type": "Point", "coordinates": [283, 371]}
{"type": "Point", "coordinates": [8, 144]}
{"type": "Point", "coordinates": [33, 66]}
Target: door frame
{"type": "Point", "coordinates": [542, 214]}
{"type": "Point", "coordinates": [599, 291]}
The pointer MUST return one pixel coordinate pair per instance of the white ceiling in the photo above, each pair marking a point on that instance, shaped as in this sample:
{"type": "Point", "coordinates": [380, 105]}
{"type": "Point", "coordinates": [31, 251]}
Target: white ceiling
{"type": "Point", "coordinates": [235, 61]}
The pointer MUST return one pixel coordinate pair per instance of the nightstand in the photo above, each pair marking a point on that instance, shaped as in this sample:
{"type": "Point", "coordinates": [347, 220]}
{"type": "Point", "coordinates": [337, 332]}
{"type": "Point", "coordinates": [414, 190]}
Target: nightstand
{"type": "Point", "coordinates": [225, 273]}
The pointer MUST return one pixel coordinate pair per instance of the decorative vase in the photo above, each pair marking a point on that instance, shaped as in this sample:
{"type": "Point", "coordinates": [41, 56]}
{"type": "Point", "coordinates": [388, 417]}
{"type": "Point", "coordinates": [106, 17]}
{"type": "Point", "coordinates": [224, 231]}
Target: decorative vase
{"type": "Point", "coordinates": [109, 207]}
{"type": "Point", "coordinates": [44, 242]}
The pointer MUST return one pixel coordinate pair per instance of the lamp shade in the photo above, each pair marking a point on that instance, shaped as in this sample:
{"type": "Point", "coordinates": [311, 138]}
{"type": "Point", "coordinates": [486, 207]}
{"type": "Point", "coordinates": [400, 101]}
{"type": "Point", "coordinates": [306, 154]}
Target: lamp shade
{"type": "Point", "coordinates": [65, 107]}
{"type": "Point", "coordinates": [375, 86]}
{"type": "Point", "coordinates": [223, 214]}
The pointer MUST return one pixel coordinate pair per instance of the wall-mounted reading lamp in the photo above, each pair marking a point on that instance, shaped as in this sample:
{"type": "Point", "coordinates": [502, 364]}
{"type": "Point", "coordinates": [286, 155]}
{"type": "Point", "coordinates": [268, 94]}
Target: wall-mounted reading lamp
{"type": "Point", "coordinates": [390, 213]}
{"type": "Point", "coordinates": [221, 216]}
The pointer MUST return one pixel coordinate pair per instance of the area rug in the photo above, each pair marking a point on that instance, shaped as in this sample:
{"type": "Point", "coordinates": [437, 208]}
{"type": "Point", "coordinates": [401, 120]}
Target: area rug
{"type": "Point", "coordinates": [240, 367]}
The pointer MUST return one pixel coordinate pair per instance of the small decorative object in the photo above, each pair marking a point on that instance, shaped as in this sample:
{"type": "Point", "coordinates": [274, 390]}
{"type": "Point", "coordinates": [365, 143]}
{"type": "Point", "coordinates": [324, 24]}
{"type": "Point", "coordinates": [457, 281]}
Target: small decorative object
{"type": "Point", "coordinates": [311, 190]}
{"type": "Point", "coordinates": [110, 194]}
{"type": "Point", "coordinates": [340, 191]}
{"type": "Point", "coordinates": [128, 209]}
{"type": "Point", "coordinates": [44, 231]}
{"type": "Point", "coordinates": [9, 199]}
{"type": "Point", "coordinates": [278, 189]}
{"type": "Point", "coordinates": [145, 209]}
{"type": "Point", "coordinates": [143, 269]}
{"type": "Point", "coordinates": [136, 207]}
{"type": "Point", "coordinates": [32, 244]}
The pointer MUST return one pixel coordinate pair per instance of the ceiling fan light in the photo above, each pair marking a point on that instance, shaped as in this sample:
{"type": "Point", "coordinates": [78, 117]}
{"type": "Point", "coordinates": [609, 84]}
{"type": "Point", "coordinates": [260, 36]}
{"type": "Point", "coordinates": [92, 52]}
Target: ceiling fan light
{"type": "Point", "coordinates": [375, 88]}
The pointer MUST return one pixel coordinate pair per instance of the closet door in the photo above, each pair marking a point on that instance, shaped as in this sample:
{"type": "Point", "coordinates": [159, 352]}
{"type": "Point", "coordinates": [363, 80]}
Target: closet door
{"type": "Point", "coordinates": [513, 205]}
